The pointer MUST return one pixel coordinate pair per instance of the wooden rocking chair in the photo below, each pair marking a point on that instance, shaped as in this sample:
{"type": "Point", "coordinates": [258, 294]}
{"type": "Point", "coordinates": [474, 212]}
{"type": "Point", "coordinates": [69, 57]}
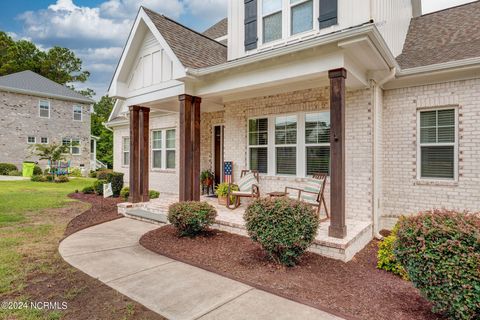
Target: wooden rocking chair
{"type": "Point", "coordinates": [312, 193]}
{"type": "Point", "coordinates": [247, 188]}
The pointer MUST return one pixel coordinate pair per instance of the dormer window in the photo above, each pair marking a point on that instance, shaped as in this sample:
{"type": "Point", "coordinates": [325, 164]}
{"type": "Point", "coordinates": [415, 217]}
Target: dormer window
{"type": "Point", "coordinates": [301, 16]}
{"type": "Point", "coordinates": [272, 20]}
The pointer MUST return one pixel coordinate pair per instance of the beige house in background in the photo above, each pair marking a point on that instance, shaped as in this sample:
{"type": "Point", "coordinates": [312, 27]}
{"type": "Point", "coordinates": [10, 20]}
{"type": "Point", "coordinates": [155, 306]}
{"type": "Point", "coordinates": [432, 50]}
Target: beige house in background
{"type": "Point", "coordinates": [280, 85]}
{"type": "Point", "coordinates": [36, 110]}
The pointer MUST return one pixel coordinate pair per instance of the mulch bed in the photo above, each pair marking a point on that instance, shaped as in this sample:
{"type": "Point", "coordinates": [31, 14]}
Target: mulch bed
{"type": "Point", "coordinates": [355, 290]}
{"type": "Point", "coordinates": [102, 210]}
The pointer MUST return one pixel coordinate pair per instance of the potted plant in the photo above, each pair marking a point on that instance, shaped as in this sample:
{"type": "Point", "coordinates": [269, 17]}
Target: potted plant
{"type": "Point", "coordinates": [222, 191]}
{"type": "Point", "coordinates": [206, 178]}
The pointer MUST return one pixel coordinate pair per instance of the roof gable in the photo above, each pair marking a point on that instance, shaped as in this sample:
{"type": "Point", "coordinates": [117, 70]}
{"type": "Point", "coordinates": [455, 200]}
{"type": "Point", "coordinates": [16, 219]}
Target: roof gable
{"type": "Point", "coordinates": [29, 82]}
{"type": "Point", "coordinates": [218, 30]}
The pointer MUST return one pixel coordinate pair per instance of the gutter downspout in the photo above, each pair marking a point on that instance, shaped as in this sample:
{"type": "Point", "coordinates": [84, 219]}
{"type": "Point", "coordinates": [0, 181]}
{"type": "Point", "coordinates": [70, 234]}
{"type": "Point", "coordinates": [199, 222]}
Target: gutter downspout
{"type": "Point", "coordinates": [377, 170]}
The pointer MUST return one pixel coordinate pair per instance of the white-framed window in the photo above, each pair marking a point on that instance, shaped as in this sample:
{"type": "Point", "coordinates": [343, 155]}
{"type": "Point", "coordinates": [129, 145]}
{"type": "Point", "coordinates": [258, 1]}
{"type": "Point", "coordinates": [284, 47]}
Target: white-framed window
{"type": "Point", "coordinates": [163, 149]}
{"type": "Point", "coordinates": [74, 145]}
{"type": "Point", "coordinates": [77, 113]}
{"type": "Point", "coordinates": [272, 27]}
{"type": "Point", "coordinates": [125, 151]}
{"type": "Point", "coordinates": [258, 144]}
{"type": "Point", "coordinates": [292, 144]}
{"type": "Point", "coordinates": [31, 139]}
{"type": "Point", "coordinates": [301, 16]}
{"type": "Point", "coordinates": [437, 144]}
{"type": "Point", "coordinates": [44, 140]}
{"type": "Point", "coordinates": [44, 108]}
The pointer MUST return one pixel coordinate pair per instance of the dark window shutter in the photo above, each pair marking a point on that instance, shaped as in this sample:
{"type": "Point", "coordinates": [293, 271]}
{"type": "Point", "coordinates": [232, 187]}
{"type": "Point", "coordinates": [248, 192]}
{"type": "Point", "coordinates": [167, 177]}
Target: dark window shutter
{"type": "Point", "coordinates": [328, 13]}
{"type": "Point", "coordinates": [251, 24]}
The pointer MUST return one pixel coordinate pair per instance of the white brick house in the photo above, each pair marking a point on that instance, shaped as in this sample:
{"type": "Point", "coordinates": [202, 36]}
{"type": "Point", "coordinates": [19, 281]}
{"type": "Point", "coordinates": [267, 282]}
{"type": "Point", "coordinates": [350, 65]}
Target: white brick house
{"type": "Point", "coordinates": [411, 104]}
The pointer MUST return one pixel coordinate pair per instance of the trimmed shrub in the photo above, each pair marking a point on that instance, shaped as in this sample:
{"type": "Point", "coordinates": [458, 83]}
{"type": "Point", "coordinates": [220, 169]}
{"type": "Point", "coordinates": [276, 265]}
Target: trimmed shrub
{"type": "Point", "coordinates": [440, 250]}
{"type": "Point", "coordinates": [88, 190]}
{"type": "Point", "coordinates": [75, 172]}
{"type": "Point", "coordinates": [103, 174]}
{"type": "Point", "coordinates": [61, 179]}
{"type": "Point", "coordinates": [92, 174]}
{"type": "Point", "coordinates": [116, 179]}
{"type": "Point", "coordinates": [5, 168]}
{"type": "Point", "coordinates": [15, 173]}
{"type": "Point", "coordinates": [153, 194]}
{"type": "Point", "coordinates": [37, 170]}
{"type": "Point", "coordinates": [38, 178]}
{"type": "Point", "coordinates": [49, 177]}
{"type": "Point", "coordinates": [285, 228]}
{"type": "Point", "coordinates": [124, 193]}
{"type": "Point", "coordinates": [192, 217]}
{"type": "Point", "coordinates": [98, 186]}
{"type": "Point", "coordinates": [386, 258]}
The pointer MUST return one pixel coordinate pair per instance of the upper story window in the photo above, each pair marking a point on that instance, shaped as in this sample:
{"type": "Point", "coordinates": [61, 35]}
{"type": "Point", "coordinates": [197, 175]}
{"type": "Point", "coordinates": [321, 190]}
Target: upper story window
{"type": "Point", "coordinates": [44, 108]}
{"type": "Point", "coordinates": [438, 146]}
{"type": "Point", "coordinates": [77, 113]}
{"type": "Point", "coordinates": [272, 20]}
{"type": "Point", "coordinates": [301, 16]}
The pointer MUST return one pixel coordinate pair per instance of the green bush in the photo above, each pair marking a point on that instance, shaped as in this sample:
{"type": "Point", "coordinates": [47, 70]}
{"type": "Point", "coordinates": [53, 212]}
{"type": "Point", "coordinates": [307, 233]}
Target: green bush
{"type": "Point", "coordinates": [285, 228]}
{"type": "Point", "coordinates": [5, 168]}
{"type": "Point", "coordinates": [49, 177]}
{"type": "Point", "coordinates": [116, 179]}
{"type": "Point", "coordinates": [61, 179]}
{"type": "Point", "coordinates": [38, 178]}
{"type": "Point", "coordinates": [124, 193]}
{"type": "Point", "coordinates": [153, 194]}
{"type": "Point", "coordinates": [98, 186]}
{"type": "Point", "coordinates": [88, 190]}
{"type": "Point", "coordinates": [440, 250]}
{"type": "Point", "coordinates": [92, 174]}
{"type": "Point", "coordinates": [192, 217]}
{"type": "Point", "coordinates": [103, 174]}
{"type": "Point", "coordinates": [75, 172]}
{"type": "Point", "coordinates": [15, 173]}
{"type": "Point", "coordinates": [386, 258]}
{"type": "Point", "coordinates": [37, 170]}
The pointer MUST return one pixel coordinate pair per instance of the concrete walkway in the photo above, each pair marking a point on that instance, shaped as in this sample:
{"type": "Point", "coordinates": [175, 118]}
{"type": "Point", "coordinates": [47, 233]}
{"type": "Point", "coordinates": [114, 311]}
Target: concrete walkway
{"type": "Point", "coordinates": [111, 253]}
{"type": "Point", "coordinates": [12, 178]}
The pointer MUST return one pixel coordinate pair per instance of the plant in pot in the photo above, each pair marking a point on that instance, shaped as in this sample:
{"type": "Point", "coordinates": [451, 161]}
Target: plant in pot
{"type": "Point", "coordinates": [206, 178]}
{"type": "Point", "coordinates": [222, 191]}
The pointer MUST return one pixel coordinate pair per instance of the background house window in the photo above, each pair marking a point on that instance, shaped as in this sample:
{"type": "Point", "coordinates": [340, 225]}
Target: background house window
{"type": "Point", "coordinates": [272, 20]}
{"type": "Point", "coordinates": [317, 142]}
{"type": "Point", "coordinates": [44, 107]}
{"type": "Point", "coordinates": [170, 148]}
{"type": "Point", "coordinates": [157, 149]}
{"type": "Point", "coordinates": [73, 144]}
{"type": "Point", "coordinates": [31, 139]}
{"type": "Point", "coordinates": [438, 143]}
{"type": "Point", "coordinates": [286, 144]}
{"type": "Point", "coordinates": [44, 140]}
{"type": "Point", "coordinates": [126, 151]}
{"type": "Point", "coordinates": [77, 113]}
{"type": "Point", "coordinates": [301, 15]}
{"type": "Point", "coordinates": [258, 144]}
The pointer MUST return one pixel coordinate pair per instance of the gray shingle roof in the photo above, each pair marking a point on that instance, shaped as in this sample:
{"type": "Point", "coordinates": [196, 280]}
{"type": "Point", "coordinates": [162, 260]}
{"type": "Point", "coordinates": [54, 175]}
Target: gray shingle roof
{"type": "Point", "coordinates": [449, 35]}
{"type": "Point", "coordinates": [218, 30]}
{"type": "Point", "coordinates": [193, 49]}
{"type": "Point", "coordinates": [29, 82]}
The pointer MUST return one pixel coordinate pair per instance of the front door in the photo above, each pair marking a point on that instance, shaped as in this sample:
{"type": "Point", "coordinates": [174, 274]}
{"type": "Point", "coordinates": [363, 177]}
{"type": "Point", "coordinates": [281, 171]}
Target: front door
{"type": "Point", "coordinates": [218, 153]}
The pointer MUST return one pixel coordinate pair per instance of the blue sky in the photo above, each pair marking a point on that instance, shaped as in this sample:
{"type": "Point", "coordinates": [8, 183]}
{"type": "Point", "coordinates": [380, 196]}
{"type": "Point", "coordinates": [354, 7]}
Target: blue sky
{"type": "Point", "coordinates": [97, 29]}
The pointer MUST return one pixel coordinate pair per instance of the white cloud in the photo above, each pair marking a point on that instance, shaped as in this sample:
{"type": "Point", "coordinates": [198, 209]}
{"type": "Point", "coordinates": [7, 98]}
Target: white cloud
{"type": "Point", "coordinates": [211, 10]}
{"type": "Point", "coordinates": [126, 9]}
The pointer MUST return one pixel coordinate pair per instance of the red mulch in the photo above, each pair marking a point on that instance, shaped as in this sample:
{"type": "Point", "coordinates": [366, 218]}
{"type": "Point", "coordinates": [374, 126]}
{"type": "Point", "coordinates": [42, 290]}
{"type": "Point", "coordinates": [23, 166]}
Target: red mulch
{"type": "Point", "coordinates": [102, 210]}
{"type": "Point", "coordinates": [356, 289]}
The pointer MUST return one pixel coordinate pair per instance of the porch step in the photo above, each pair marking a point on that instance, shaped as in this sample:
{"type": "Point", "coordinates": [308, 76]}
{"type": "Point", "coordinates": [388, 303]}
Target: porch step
{"type": "Point", "coordinates": [146, 215]}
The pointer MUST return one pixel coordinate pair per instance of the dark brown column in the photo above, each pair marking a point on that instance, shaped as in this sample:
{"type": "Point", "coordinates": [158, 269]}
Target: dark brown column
{"type": "Point", "coordinates": [134, 154]}
{"type": "Point", "coordinates": [144, 133]}
{"type": "Point", "coordinates": [189, 165]}
{"type": "Point", "coordinates": [337, 227]}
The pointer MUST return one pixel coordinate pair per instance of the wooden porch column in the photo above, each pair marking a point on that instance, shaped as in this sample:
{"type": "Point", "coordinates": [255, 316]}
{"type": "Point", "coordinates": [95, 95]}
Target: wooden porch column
{"type": "Point", "coordinates": [134, 154]}
{"type": "Point", "coordinates": [189, 165]}
{"type": "Point", "coordinates": [337, 227]}
{"type": "Point", "coordinates": [144, 133]}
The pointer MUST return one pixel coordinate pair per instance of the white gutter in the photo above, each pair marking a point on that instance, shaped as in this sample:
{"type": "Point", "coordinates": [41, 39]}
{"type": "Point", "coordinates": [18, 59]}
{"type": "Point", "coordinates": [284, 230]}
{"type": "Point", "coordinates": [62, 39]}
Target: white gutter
{"type": "Point", "coordinates": [45, 95]}
{"type": "Point", "coordinates": [471, 62]}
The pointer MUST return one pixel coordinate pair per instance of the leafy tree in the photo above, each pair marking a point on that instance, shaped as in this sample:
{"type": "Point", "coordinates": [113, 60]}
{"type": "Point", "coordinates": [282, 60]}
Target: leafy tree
{"type": "Point", "coordinates": [52, 152]}
{"type": "Point", "coordinates": [102, 110]}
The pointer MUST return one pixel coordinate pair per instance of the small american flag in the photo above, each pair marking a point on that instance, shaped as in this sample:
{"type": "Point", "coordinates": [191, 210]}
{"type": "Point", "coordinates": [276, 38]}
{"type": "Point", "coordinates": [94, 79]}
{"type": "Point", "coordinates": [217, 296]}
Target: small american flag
{"type": "Point", "coordinates": [228, 171]}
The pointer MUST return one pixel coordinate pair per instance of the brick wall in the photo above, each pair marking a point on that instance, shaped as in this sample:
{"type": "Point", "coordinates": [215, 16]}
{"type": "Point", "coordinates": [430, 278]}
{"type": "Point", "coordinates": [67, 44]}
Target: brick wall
{"type": "Point", "coordinates": [19, 118]}
{"type": "Point", "coordinates": [402, 192]}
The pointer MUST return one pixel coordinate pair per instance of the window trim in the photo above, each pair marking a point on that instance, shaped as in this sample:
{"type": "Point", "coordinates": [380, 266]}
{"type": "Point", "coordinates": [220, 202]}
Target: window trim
{"type": "Point", "coordinates": [71, 146]}
{"type": "Point", "coordinates": [34, 139]}
{"type": "Point", "coordinates": [40, 108]}
{"type": "Point", "coordinates": [163, 150]}
{"type": "Point", "coordinates": [123, 151]}
{"type": "Point", "coordinates": [81, 113]}
{"type": "Point", "coordinates": [43, 138]}
{"type": "Point", "coordinates": [440, 144]}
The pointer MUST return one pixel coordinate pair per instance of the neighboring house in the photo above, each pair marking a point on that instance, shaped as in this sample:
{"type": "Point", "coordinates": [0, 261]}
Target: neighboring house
{"type": "Point", "coordinates": [36, 110]}
{"type": "Point", "coordinates": [384, 99]}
